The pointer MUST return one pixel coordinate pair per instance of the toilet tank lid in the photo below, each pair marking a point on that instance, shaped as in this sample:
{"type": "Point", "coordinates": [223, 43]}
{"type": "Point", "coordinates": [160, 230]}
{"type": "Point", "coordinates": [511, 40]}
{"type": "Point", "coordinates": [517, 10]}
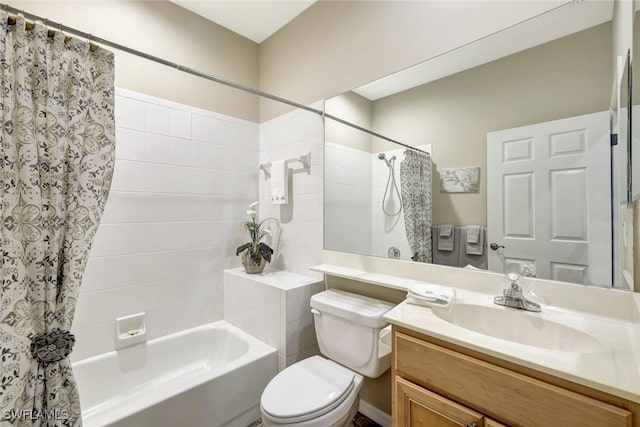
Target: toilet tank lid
{"type": "Point", "coordinates": [360, 309]}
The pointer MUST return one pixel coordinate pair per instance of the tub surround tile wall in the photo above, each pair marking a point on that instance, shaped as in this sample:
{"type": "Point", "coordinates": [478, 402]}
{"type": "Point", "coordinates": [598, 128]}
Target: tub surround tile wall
{"type": "Point", "coordinates": [356, 182]}
{"type": "Point", "coordinates": [301, 241]}
{"type": "Point", "coordinates": [183, 180]}
{"type": "Point", "coordinates": [348, 203]}
{"type": "Point", "coordinates": [387, 230]}
{"type": "Point", "coordinates": [274, 307]}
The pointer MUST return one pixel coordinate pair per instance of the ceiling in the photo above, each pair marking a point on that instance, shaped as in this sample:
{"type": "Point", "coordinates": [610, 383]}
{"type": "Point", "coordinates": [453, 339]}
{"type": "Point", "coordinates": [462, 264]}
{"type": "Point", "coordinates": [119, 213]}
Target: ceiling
{"type": "Point", "coordinates": [253, 19]}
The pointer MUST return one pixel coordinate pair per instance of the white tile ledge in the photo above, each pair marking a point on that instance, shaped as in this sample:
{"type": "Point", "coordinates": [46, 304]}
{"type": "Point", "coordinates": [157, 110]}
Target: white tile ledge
{"type": "Point", "coordinates": [379, 279]}
{"type": "Point", "coordinates": [280, 279]}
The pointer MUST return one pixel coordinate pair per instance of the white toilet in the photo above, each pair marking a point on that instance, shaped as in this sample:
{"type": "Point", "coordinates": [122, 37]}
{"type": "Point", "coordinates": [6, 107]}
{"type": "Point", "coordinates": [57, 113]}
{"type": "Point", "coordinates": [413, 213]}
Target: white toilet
{"type": "Point", "coordinates": [317, 392]}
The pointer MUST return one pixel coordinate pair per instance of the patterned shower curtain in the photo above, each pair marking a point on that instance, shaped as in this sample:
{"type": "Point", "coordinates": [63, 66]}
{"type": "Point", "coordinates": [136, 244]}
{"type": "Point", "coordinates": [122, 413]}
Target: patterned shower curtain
{"type": "Point", "coordinates": [56, 163]}
{"type": "Point", "coordinates": [415, 184]}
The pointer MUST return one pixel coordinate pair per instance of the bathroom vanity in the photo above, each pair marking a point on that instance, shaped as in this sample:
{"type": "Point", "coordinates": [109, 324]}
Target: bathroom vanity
{"type": "Point", "coordinates": [475, 363]}
{"type": "Point", "coordinates": [434, 380]}
{"type": "Point", "coordinates": [461, 377]}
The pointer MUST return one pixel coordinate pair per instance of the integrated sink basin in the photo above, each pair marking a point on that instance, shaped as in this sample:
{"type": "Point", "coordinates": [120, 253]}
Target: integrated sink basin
{"type": "Point", "coordinates": [518, 326]}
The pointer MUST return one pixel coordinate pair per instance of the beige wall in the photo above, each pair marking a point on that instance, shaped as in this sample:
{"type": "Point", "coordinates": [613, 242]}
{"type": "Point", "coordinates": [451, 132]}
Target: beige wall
{"type": "Point", "coordinates": [355, 109]}
{"type": "Point", "coordinates": [335, 46]}
{"type": "Point", "coordinates": [163, 29]}
{"type": "Point", "coordinates": [563, 78]}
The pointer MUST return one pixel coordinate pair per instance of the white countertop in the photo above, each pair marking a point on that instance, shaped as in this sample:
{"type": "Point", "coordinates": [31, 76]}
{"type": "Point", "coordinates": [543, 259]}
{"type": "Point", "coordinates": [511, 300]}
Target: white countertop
{"type": "Point", "coordinates": [613, 367]}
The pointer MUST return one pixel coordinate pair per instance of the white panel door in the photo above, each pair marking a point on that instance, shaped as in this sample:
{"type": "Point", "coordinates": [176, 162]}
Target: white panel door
{"type": "Point", "coordinates": [548, 199]}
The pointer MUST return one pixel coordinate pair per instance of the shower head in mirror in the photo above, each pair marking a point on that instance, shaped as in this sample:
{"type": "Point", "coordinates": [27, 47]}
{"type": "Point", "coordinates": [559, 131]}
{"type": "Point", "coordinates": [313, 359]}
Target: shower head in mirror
{"type": "Point", "coordinates": [383, 156]}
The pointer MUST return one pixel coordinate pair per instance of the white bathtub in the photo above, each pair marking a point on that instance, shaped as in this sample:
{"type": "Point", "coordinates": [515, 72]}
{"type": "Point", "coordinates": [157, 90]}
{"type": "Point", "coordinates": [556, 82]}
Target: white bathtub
{"type": "Point", "coordinates": [212, 375]}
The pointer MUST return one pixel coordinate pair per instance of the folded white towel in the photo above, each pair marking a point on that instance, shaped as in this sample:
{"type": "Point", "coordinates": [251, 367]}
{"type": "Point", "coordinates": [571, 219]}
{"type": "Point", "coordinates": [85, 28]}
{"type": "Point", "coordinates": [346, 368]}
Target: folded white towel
{"type": "Point", "coordinates": [471, 233]}
{"type": "Point", "coordinates": [446, 238]}
{"type": "Point", "coordinates": [279, 183]}
{"type": "Point", "coordinates": [446, 230]}
{"type": "Point", "coordinates": [431, 295]}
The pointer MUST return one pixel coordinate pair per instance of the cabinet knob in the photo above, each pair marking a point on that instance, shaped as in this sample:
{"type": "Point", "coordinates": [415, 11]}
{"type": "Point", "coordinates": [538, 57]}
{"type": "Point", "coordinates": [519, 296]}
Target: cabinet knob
{"type": "Point", "coordinates": [471, 425]}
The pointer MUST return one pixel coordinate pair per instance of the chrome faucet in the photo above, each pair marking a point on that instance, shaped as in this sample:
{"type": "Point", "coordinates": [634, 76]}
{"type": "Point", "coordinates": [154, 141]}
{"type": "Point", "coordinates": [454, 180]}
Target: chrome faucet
{"type": "Point", "coordinates": [512, 295]}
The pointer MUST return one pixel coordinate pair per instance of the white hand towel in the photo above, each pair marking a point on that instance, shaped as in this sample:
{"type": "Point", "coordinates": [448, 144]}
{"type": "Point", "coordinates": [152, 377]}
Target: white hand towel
{"type": "Point", "coordinates": [474, 240]}
{"type": "Point", "coordinates": [431, 295]}
{"type": "Point", "coordinates": [279, 183]}
{"type": "Point", "coordinates": [446, 238]}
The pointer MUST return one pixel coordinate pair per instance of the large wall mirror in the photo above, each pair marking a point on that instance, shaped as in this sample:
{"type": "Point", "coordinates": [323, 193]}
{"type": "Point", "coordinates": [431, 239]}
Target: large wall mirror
{"type": "Point", "coordinates": [517, 126]}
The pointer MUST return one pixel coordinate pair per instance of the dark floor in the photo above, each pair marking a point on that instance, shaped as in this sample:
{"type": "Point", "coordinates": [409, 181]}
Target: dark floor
{"type": "Point", "coordinates": [362, 421]}
{"type": "Point", "coordinates": [359, 421]}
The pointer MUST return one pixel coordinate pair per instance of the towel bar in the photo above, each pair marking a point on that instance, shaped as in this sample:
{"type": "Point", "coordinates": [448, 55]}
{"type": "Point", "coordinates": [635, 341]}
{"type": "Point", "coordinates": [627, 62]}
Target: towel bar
{"type": "Point", "coordinates": [305, 159]}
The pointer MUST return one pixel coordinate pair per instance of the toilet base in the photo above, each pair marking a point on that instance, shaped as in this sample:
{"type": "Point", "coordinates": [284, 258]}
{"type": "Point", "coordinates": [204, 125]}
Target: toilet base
{"type": "Point", "coordinates": [345, 421]}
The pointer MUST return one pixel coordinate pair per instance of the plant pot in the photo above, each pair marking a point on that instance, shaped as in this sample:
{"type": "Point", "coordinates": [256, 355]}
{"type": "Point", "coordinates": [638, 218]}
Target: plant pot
{"type": "Point", "coordinates": [250, 267]}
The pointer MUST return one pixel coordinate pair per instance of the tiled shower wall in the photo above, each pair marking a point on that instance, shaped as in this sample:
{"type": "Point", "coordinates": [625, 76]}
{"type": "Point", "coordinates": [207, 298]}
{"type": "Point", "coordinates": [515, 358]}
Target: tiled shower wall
{"type": "Point", "coordinates": [183, 180]}
{"type": "Point", "coordinates": [348, 199]}
{"type": "Point", "coordinates": [388, 231]}
{"type": "Point", "coordinates": [290, 136]}
{"type": "Point", "coordinates": [355, 186]}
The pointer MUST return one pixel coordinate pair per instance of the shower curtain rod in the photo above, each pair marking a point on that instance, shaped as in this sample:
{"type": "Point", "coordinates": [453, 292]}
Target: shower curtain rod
{"type": "Point", "coordinates": [370, 132]}
{"type": "Point", "coordinates": [93, 39]}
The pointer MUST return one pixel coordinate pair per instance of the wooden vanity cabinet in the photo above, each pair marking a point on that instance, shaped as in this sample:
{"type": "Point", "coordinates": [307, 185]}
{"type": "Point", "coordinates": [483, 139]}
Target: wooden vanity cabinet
{"type": "Point", "coordinates": [417, 406]}
{"type": "Point", "coordinates": [436, 384]}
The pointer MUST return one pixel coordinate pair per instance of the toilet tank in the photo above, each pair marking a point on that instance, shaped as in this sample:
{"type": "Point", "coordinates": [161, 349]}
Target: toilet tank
{"type": "Point", "coordinates": [348, 327]}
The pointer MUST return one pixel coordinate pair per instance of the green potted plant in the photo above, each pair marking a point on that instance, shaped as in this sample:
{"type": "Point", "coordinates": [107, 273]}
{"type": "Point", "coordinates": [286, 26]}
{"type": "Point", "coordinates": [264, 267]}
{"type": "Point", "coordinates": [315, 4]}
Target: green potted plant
{"type": "Point", "coordinates": [256, 253]}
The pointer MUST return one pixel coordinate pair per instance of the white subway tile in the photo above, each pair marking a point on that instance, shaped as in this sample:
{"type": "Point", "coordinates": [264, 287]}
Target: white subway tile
{"type": "Point", "coordinates": [180, 124]}
{"type": "Point", "coordinates": [202, 155]}
{"type": "Point", "coordinates": [118, 239]}
{"type": "Point", "coordinates": [192, 208]}
{"type": "Point", "coordinates": [156, 178]}
{"type": "Point", "coordinates": [180, 180]}
{"type": "Point", "coordinates": [129, 144]}
{"type": "Point", "coordinates": [128, 176]}
{"type": "Point", "coordinates": [201, 128]}
{"type": "Point", "coordinates": [184, 264]}
{"type": "Point", "coordinates": [105, 242]}
{"type": "Point", "coordinates": [180, 152]}
{"type": "Point", "coordinates": [124, 207]}
{"type": "Point", "coordinates": [129, 113]}
{"type": "Point", "coordinates": [157, 207]}
{"type": "Point", "coordinates": [93, 340]}
{"type": "Point", "coordinates": [181, 235]}
{"type": "Point", "coordinates": [156, 119]}
{"type": "Point", "coordinates": [300, 335]}
{"type": "Point", "coordinates": [156, 148]}
{"type": "Point", "coordinates": [157, 237]}
{"type": "Point", "coordinates": [158, 266]}
{"type": "Point", "coordinates": [203, 234]}
{"type": "Point", "coordinates": [203, 181]}
{"type": "Point", "coordinates": [112, 272]}
{"type": "Point", "coordinates": [308, 207]}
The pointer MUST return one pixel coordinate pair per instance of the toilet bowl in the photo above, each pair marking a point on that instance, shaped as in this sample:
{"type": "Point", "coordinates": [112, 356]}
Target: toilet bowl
{"type": "Point", "coordinates": [323, 392]}
{"type": "Point", "coordinates": [315, 392]}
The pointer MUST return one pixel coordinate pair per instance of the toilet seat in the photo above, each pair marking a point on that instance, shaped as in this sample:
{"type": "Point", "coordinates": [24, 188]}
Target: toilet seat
{"type": "Point", "coordinates": [307, 390]}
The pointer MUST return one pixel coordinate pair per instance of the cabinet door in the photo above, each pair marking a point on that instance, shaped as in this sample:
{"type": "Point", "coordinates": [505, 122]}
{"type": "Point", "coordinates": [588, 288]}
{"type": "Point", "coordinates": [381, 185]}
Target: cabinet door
{"type": "Point", "coordinates": [491, 423]}
{"type": "Point", "coordinates": [415, 406]}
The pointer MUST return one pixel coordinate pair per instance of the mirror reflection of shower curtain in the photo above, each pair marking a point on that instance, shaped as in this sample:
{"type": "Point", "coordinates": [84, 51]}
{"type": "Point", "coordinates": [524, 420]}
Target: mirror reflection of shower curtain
{"type": "Point", "coordinates": [415, 180]}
